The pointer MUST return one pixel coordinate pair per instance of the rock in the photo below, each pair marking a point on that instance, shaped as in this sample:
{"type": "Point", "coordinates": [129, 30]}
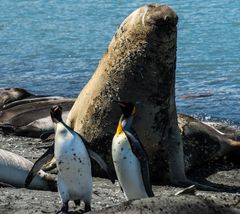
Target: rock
{"type": "Point", "coordinates": [139, 65]}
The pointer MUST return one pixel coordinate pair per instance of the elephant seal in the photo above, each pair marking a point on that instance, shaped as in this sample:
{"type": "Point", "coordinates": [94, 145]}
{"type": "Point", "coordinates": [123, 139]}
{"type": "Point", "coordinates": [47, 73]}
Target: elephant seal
{"type": "Point", "coordinates": [203, 143]}
{"type": "Point", "coordinates": [30, 100]}
{"type": "Point", "coordinates": [35, 129]}
{"type": "Point", "coordinates": [8, 95]}
{"type": "Point", "coordinates": [14, 170]}
{"type": "Point", "coordinates": [31, 117]}
{"type": "Point", "coordinates": [139, 65]}
{"type": "Point", "coordinates": [229, 131]}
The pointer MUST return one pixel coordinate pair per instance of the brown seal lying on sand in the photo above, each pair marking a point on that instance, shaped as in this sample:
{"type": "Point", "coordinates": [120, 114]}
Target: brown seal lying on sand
{"type": "Point", "coordinates": [30, 116]}
{"type": "Point", "coordinates": [8, 95]}
{"type": "Point", "coordinates": [203, 143]}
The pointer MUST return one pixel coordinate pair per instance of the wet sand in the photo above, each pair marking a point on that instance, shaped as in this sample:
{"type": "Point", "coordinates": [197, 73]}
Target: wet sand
{"type": "Point", "coordinates": [109, 198]}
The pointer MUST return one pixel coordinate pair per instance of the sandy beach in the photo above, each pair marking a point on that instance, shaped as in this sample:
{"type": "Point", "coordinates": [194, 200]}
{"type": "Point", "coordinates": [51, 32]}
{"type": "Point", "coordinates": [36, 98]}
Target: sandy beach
{"type": "Point", "coordinates": [107, 197]}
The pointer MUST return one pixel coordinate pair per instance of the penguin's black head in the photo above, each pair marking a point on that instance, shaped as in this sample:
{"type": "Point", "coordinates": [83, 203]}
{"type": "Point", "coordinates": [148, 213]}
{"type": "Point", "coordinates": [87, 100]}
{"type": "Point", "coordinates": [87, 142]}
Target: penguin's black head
{"type": "Point", "coordinates": [56, 113]}
{"type": "Point", "coordinates": [128, 108]}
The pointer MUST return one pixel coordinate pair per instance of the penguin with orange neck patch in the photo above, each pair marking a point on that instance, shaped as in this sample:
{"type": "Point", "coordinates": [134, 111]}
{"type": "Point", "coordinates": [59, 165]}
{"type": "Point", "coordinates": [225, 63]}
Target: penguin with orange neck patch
{"type": "Point", "coordinates": [129, 157]}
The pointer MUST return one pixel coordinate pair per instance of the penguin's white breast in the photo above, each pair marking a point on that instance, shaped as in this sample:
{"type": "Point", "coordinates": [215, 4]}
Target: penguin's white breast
{"type": "Point", "coordinates": [73, 163]}
{"type": "Point", "coordinates": [127, 168]}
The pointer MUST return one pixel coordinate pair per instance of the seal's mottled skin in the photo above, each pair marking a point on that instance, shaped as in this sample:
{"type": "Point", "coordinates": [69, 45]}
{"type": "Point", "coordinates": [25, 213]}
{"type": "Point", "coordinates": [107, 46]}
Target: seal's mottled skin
{"type": "Point", "coordinates": [203, 143]}
{"type": "Point", "coordinates": [139, 65]}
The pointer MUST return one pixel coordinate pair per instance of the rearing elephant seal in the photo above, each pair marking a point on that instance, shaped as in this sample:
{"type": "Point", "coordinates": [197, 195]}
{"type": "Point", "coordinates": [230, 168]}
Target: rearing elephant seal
{"type": "Point", "coordinates": [139, 65]}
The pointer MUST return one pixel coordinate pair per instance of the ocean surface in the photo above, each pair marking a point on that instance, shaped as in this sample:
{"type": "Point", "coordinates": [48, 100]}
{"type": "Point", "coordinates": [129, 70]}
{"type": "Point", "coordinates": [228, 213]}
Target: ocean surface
{"type": "Point", "coordinates": [53, 47]}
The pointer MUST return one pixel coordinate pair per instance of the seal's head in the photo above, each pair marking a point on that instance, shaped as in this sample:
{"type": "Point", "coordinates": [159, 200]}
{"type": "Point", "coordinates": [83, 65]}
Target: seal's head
{"type": "Point", "coordinates": [56, 113]}
{"type": "Point", "coordinates": [128, 108]}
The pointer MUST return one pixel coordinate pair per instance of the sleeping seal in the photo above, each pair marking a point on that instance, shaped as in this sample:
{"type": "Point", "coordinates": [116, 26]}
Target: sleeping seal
{"type": "Point", "coordinates": [8, 95]}
{"type": "Point", "coordinates": [14, 170]}
{"type": "Point", "coordinates": [30, 117]}
{"type": "Point", "coordinates": [203, 143]}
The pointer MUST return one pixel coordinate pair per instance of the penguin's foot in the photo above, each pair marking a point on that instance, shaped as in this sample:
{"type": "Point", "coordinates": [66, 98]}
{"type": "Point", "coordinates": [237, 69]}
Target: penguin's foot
{"type": "Point", "coordinates": [187, 182]}
{"type": "Point", "coordinates": [64, 209]}
{"type": "Point", "coordinates": [87, 207]}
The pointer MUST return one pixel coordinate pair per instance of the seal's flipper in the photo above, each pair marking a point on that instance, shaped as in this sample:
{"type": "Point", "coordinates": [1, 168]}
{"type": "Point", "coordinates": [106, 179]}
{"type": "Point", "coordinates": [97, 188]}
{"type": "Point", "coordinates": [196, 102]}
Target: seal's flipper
{"type": "Point", "coordinates": [50, 165]}
{"type": "Point", "coordinates": [2, 184]}
{"type": "Point", "coordinates": [102, 164]}
{"type": "Point", "coordinates": [47, 136]}
{"type": "Point", "coordinates": [47, 156]}
{"type": "Point", "coordinates": [7, 128]}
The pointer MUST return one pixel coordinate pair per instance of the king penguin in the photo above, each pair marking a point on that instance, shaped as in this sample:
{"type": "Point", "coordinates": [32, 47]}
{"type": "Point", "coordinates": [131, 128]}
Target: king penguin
{"type": "Point", "coordinates": [73, 163]}
{"type": "Point", "coordinates": [129, 157]}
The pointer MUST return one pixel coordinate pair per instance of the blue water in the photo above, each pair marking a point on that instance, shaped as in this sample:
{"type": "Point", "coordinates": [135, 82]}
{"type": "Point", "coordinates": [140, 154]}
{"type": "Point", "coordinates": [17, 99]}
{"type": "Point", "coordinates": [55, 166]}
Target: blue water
{"type": "Point", "coordinates": [54, 46]}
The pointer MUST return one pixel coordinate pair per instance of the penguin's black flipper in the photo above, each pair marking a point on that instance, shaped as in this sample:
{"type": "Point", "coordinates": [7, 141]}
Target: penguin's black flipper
{"type": "Point", "coordinates": [102, 164]}
{"type": "Point", "coordinates": [47, 156]}
{"type": "Point", "coordinates": [141, 155]}
{"type": "Point", "coordinates": [146, 178]}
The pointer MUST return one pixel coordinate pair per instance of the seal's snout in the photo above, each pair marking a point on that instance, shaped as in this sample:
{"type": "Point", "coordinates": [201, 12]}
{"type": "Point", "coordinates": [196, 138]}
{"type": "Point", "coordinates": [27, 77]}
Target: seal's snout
{"type": "Point", "coordinates": [162, 14]}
